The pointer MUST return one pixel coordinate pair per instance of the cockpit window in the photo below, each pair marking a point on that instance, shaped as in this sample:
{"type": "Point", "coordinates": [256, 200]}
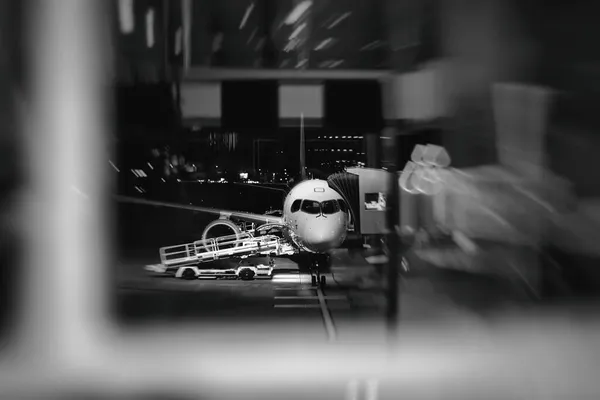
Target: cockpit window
{"type": "Point", "coordinates": [296, 205]}
{"type": "Point", "coordinates": [330, 207]}
{"type": "Point", "coordinates": [343, 205]}
{"type": "Point", "coordinates": [311, 207]}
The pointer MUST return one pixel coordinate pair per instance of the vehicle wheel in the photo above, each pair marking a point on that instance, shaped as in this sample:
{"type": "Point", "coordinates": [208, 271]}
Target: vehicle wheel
{"type": "Point", "coordinates": [323, 281]}
{"type": "Point", "coordinates": [246, 274]}
{"type": "Point", "coordinates": [313, 280]}
{"type": "Point", "coordinates": [188, 274]}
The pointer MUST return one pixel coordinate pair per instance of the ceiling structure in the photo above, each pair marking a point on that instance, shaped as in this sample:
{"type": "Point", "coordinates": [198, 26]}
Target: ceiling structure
{"type": "Point", "coordinates": [289, 34]}
{"type": "Point", "coordinates": [273, 34]}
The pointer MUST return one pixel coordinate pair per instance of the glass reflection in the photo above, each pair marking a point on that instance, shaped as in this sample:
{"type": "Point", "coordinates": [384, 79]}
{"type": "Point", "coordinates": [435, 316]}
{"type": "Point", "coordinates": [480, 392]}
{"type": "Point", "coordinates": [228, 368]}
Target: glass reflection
{"type": "Point", "coordinates": [294, 34]}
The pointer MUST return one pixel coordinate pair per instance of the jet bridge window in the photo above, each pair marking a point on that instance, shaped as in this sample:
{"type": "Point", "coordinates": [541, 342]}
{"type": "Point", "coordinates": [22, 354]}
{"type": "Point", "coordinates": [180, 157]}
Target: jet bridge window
{"type": "Point", "coordinates": [330, 207]}
{"type": "Point", "coordinates": [311, 207]}
{"type": "Point", "coordinates": [296, 205]}
{"type": "Point", "coordinates": [343, 205]}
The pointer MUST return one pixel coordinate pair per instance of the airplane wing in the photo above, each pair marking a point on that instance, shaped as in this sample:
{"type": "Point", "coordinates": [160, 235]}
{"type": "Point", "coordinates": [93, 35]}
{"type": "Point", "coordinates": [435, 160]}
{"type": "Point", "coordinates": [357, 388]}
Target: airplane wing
{"type": "Point", "coordinates": [283, 188]}
{"type": "Point", "coordinates": [245, 216]}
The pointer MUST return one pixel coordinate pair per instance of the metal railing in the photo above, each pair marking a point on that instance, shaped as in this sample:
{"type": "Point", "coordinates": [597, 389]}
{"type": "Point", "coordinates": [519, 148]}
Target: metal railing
{"type": "Point", "coordinates": [206, 250]}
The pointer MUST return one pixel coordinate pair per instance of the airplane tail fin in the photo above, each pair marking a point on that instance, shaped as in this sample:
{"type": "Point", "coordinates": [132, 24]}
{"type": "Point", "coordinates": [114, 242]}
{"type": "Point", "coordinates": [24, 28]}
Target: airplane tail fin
{"type": "Point", "coordinates": [302, 149]}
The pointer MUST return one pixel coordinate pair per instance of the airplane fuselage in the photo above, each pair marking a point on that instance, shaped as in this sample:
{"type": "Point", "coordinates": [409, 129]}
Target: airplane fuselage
{"type": "Point", "coordinates": [316, 216]}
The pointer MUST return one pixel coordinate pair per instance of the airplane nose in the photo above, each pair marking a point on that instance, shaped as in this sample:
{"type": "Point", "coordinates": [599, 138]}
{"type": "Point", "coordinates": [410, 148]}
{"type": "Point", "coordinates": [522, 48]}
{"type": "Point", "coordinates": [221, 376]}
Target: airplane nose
{"type": "Point", "coordinates": [326, 239]}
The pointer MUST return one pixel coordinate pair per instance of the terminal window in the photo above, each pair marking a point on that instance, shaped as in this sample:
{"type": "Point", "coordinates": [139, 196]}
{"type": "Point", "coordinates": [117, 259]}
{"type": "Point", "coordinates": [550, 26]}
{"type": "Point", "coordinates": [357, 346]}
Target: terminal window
{"type": "Point", "coordinates": [375, 201]}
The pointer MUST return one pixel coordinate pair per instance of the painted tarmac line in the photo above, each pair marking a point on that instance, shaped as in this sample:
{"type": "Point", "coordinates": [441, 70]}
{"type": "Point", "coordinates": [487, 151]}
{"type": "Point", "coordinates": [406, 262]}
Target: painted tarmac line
{"type": "Point", "coordinates": [297, 306]}
{"type": "Point", "coordinates": [310, 297]}
{"type": "Point", "coordinates": [327, 320]}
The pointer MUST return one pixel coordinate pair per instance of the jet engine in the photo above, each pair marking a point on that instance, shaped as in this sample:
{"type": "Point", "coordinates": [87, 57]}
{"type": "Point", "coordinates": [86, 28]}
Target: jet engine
{"type": "Point", "coordinates": [221, 227]}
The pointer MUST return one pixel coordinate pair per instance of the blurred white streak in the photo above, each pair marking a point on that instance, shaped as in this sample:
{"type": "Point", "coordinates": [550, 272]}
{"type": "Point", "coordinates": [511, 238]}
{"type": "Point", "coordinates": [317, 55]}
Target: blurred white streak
{"type": "Point", "coordinates": [297, 31]}
{"type": "Point", "coordinates": [464, 242]}
{"type": "Point", "coordinates": [62, 307]}
{"type": "Point", "coordinates": [178, 40]}
{"type": "Point", "coordinates": [186, 9]}
{"type": "Point", "coordinates": [323, 44]}
{"type": "Point", "coordinates": [336, 63]}
{"type": "Point", "coordinates": [150, 28]}
{"type": "Point", "coordinates": [246, 15]}
{"type": "Point", "coordinates": [297, 12]}
{"type": "Point", "coordinates": [339, 20]}
{"type": "Point", "coordinates": [114, 166]}
{"type": "Point", "coordinates": [126, 16]}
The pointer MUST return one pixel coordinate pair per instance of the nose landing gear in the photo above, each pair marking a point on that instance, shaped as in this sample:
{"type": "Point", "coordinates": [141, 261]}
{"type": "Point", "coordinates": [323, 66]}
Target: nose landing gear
{"type": "Point", "coordinates": [318, 280]}
{"type": "Point", "coordinates": [317, 264]}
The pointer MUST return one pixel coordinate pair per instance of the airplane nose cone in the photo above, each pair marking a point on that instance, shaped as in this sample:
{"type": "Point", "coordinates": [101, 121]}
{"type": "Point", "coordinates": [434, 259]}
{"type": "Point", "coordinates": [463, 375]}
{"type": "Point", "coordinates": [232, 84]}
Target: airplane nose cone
{"type": "Point", "coordinates": [326, 240]}
{"type": "Point", "coordinates": [321, 246]}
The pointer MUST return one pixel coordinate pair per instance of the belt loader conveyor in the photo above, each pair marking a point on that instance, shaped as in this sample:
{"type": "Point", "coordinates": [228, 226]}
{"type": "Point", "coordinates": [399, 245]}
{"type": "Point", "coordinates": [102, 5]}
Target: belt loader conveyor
{"type": "Point", "coordinates": [187, 258]}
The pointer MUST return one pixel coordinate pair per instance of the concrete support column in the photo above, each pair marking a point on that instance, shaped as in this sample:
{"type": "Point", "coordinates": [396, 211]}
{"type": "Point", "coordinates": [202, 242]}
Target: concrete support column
{"type": "Point", "coordinates": [389, 105]}
{"type": "Point", "coordinates": [372, 148]}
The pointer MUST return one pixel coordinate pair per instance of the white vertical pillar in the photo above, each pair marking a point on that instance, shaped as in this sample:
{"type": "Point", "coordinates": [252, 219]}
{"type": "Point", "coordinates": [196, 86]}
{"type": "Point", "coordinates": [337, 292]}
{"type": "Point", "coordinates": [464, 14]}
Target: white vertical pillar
{"type": "Point", "coordinates": [126, 16]}
{"type": "Point", "coordinates": [186, 9]}
{"type": "Point", "coordinates": [178, 41]}
{"type": "Point", "coordinates": [65, 278]}
{"type": "Point", "coordinates": [150, 28]}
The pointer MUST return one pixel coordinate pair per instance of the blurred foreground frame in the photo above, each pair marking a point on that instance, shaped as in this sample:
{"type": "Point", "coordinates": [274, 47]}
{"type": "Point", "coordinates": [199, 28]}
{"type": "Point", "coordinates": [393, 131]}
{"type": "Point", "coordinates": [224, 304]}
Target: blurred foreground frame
{"type": "Point", "coordinates": [63, 340]}
{"type": "Point", "coordinates": [12, 162]}
{"type": "Point", "coordinates": [58, 213]}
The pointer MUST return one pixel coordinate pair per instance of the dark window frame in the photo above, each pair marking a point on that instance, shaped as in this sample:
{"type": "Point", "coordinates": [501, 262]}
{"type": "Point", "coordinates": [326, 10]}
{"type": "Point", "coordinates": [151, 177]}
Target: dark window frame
{"type": "Point", "coordinates": [295, 207]}
{"type": "Point", "coordinates": [311, 201]}
{"type": "Point", "coordinates": [334, 203]}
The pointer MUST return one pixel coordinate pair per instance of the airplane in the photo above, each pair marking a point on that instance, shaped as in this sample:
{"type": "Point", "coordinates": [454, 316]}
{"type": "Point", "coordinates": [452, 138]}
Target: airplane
{"type": "Point", "coordinates": [315, 217]}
